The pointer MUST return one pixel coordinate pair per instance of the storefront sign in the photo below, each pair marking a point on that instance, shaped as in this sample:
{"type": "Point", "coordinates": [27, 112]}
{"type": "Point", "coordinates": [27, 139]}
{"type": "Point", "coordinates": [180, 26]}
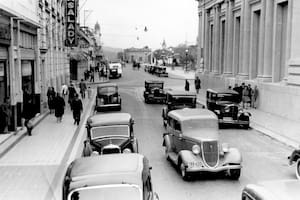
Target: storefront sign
{"type": "Point", "coordinates": [71, 14]}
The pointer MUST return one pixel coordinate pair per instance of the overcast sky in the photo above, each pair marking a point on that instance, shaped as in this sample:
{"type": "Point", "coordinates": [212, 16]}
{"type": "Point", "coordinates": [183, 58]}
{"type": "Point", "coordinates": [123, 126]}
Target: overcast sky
{"type": "Point", "coordinates": [122, 22]}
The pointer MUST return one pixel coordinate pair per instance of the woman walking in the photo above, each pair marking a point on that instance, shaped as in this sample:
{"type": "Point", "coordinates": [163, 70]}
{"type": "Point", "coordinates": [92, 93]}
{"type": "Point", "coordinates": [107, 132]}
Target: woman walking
{"type": "Point", "coordinates": [76, 107]}
{"type": "Point", "coordinates": [27, 115]}
{"type": "Point", "coordinates": [59, 107]}
{"type": "Point", "coordinates": [51, 96]}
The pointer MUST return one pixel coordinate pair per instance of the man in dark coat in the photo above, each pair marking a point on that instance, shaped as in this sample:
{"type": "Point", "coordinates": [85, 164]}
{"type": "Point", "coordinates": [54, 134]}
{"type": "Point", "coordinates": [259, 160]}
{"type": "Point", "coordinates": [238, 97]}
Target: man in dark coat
{"type": "Point", "coordinates": [82, 87]}
{"type": "Point", "coordinates": [197, 84]}
{"type": "Point", "coordinates": [28, 114]}
{"type": "Point", "coordinates": [187, 85]}
{"type": "Point", "coordinates": [72, 93]}
{"type": "Point", "coordinates": [77, 109]}
{"type": "Point", "coordinates": [59, 105]}
{"type": "Point", "coordinates": [51, 96]}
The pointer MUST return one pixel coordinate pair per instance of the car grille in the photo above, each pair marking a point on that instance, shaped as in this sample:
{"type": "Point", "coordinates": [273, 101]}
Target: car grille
{"type": "Point", "coordinates": [110, 150]}
{"type": "Point", "coordinates": [210, 153]}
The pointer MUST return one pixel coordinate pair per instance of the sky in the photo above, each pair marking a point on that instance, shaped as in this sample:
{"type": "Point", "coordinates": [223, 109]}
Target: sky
{"type": "Point", "coordinates": [122, 22]}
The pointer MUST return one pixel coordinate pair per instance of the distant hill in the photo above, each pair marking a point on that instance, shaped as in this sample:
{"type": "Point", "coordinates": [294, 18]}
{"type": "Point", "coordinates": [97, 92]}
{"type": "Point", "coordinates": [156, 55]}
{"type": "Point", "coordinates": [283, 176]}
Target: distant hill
{"type": "Point", "coordinates": [111, 53]}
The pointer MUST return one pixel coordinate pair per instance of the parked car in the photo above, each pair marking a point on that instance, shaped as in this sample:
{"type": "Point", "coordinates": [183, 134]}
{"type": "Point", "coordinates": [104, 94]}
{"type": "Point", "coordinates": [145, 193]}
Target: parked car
{"type": "Point", "coordinates": [115, 70]}
{"type": "Point", "coordinates": [154, 91]}
{"type": "Point", "coordinates": [225, 103]}
{"type": "Point", "coordinates": [294, 158]}
{"type": "Point", "coordinates": [192, 144]}
{"type": "Point", "coordinates": [161, 71]}
{"type": "Point", "coordinates": [113, 177]}
{"type": "Point", "coordinates": [272, 190]}
{"type": "Point", "coordinates": [108, 97]}
{"type": "Point", "coordinates": [110, 133]}
{"type": "Point", "coordinates": [176, 99]}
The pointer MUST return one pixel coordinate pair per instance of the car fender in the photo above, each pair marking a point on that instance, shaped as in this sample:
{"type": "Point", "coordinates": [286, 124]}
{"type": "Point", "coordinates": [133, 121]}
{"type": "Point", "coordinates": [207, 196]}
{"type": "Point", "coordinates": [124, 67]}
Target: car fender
{"type": "Point", "coordinates": [135, 146]}
{"type": "Point", "coordinates": [167, 141]}
{"type": "Point", "coordinates": [187, 156]}
{"type": "Point", "coordinates": [294, 156]}
{"type": "Point", "coordinates": [233, 156]}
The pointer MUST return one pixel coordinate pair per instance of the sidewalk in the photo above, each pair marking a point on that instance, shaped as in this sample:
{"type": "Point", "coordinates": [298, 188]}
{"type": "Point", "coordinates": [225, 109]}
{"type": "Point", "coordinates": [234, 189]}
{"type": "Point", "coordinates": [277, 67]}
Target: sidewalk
{"type": "Point", "coordinates": [276, 127]}
{"type": "Point", "coordinates": [34, 167]}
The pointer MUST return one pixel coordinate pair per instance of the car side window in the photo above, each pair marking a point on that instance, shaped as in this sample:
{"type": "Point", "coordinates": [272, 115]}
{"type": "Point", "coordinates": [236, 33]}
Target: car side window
{"type": "Point", "coordinates": [171, 123]}
{"type": "Point", "coordinates": [177, 125]}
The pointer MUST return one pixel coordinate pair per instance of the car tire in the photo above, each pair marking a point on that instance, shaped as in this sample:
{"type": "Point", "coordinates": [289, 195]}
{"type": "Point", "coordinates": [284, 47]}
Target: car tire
{"type": "Point", "coordinates": [234, 174]}
{"type": "Point", "coordinates": [166, 153]}
{"type": "Point", "coordinates": [183, 172]}
{"type": "Point", "coordinates": [246, 126]}
{"type": "Point", "coordinates": [298, 168]}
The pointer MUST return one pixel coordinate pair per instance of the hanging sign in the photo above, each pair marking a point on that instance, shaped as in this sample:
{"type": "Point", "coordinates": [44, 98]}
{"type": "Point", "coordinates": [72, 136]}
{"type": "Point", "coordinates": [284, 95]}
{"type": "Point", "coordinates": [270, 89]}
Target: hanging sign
{"type": "Point", "coordinates": [71, 14]}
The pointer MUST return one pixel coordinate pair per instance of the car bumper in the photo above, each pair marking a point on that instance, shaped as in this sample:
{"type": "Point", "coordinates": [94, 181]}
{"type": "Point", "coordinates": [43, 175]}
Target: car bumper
{"type": "Point", "coordinates": [107, 106]}
{"type": "Point", "coordinates": [231, 121]}
{"type": "Point", "coordinates": [196, 169]}
{"type": "Point", "coordinates": [154, 98]}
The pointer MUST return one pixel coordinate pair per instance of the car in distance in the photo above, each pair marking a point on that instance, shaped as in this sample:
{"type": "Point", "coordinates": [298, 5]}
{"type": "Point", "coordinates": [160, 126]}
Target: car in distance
{"type": "Point", "coordinates": [154, 91]}
{"type": "Point", "coordinates": [161, 71]}
{"type": "Point", "coordinates": [110, 133]}
{"type": "Point", "coordinates": [272, 190]}
{"type": "Point", "coordinates": [294, 158]}
{"type": "Point", "coordinates": [108, 97]}
{"type": "Point", "coordinates": [176, 99]}
{"type": "Point", "coordinates": [225, 103]}
{"type": "Point", "coordinates": [115, 70]}
{"type": "Point", "coordinates": [192, 144]}
{"type": "Point", "coordinates": [109, 177]}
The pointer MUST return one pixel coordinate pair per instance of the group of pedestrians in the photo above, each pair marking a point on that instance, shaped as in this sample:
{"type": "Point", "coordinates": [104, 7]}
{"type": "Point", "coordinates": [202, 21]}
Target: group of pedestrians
{"type": "Point", "coordinates": [197, 84]}
{"type": "Point", "coordinates": [248, 95]}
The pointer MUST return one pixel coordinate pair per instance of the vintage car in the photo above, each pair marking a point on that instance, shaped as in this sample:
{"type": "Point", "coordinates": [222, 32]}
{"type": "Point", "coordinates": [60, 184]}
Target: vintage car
{"type": "Point", "coordinates": [272, 190]}
{"type": "Point", "coordinates": [225, 103]}
{"type": "Point", "coordinates": [192, 144]}
{"type": "Point", "coordinates": [294, 158]}
{"type": "Point", "coordinates": [110, 133]}
{"type": "Point", "coordinates": [161, 71]}
{"type": "Point", "coordinates": [154, 91]}
{"type": "Point", "coordinates": [109, 177]}
{"type": "Point", "coordinates": [115, 70]}
{"type": "Point", "coordinates": [177, 99]}
{"type": "Point", "coordinates": [108, 97]}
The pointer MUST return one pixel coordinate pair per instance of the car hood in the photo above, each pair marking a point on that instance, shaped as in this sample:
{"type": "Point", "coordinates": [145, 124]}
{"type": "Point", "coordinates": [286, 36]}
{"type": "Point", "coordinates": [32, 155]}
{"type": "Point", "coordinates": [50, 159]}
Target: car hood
{"type": "Point", "coordinates": [119, 141]}
{"type": "Point", "coordinates": [202, 134]}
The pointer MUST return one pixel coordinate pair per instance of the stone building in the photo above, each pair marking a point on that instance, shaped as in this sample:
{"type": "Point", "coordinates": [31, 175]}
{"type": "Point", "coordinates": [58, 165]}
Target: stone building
{"type": "Point", "coordinates": [32, 54]}
{"type": "Point", "coordinates": [256, 42]}
{"type": "Point", "coordinates": [142, 55]}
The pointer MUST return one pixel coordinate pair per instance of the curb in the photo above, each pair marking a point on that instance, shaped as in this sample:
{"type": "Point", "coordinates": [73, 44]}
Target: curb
{"type": "Point", "coordinates": [17, 136]}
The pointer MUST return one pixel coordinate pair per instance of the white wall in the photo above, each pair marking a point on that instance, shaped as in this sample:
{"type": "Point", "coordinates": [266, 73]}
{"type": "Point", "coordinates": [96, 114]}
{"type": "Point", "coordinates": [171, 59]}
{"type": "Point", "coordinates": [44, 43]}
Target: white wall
{"type": "Point", "coordinates": [21, 8]}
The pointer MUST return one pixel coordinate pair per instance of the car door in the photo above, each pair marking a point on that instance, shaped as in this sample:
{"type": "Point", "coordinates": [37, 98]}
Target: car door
{"type": "Point", "coordinates": [178, 139]}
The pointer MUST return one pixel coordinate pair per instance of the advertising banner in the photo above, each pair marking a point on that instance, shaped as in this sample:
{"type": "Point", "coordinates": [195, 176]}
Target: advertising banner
{"type": "Point", "coordinates": [71, 14]}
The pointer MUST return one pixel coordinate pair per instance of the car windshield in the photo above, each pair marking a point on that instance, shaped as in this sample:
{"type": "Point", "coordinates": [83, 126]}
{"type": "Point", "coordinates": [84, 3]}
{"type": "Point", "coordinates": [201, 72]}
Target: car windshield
{"type": "Point", "coordinates": [110, 89]}
{"type": "Point", "coordinates": [109, 131]}
{"type": "Point", "coordinates": [228, 97]}
{"type": "Point", "coordinates": [156, 85]}
{"type": "Point", "coordinates": [111, 192]}
{"type": "Point", "coordinates": [200, 124]}
{"type": "Point", "coordinates": [179, 100]}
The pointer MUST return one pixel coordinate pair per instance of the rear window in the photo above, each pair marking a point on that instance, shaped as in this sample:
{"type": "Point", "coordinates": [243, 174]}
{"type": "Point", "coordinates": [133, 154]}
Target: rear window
{"type": "Point", "coordinates": [110, 89]}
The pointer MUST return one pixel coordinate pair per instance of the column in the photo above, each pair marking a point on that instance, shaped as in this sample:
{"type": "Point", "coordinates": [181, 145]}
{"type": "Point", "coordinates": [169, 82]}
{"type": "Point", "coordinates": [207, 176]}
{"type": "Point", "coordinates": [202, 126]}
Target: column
{"type": "Point", "coordinates": [206, 40]}
{"type": "Point", "coordinates": [261, 39]}
{"type": "Point", "coordinates": [246, 17]}
{"type": "Point", "coordinates": [216, 46]}
{"type": "Point", "coordinates": [268, 41]}
{"type": "Point", "coordinates": [229, 39]}
{"type": "Point", "coordinates": [200, 44]}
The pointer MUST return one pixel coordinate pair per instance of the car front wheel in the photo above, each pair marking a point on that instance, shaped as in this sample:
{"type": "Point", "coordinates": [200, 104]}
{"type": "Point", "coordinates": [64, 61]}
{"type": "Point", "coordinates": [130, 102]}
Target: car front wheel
{"type": "Point", "coordinates": [298, 168]}
{"type": "Point", "coordinates": [234, 174]}
{"type": "Point", "coordinates": [183, 172]}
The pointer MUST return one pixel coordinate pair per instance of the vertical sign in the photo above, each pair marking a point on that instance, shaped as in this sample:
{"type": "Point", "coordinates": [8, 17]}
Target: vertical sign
{"type": "Point", "coordinates": [71, 23]}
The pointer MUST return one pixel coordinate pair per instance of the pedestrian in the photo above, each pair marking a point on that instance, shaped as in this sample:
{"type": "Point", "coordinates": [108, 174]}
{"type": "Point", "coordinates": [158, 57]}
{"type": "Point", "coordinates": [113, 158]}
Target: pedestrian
{"type": "Point", "coordinates": [72, 93]}
{"type": "Point", "coordinates": [250, 93]}
{"type": "Point", "coordinates": [245, 97]}
{"type": "Point", "coordinates": [59, 107]}
{"type": "Point", "coordinates": [64, 91]}
{"type": "Point", "coordinates": [197, 84]}
{"type": "Point", "coordinates": [255, 97]}
{"type": "Point", "coordinates": [237, 88]}
{"type": "Point", "coordinates": [27, 116]}
{"type": "Point", "coordinates": [187, 85]}
{"type": "Point", "coordinates": [3, 117]}
{"type": "Point", "coordinates": [51, 96]}
{"type": "Point", "coordinates": [82, 87]}
{"type": "Point", "coordinates": [92, 76]}
{"type": "Point", "coordinates": [7, 110]}
{"type": "Point", "coordinates": [76, 107]}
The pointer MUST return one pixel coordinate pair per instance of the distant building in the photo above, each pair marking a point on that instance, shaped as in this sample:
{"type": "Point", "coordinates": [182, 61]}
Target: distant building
{"type": "Point", "coordinates": [142, 55]}
{"type": "Point", "coordinates": [256, 42]}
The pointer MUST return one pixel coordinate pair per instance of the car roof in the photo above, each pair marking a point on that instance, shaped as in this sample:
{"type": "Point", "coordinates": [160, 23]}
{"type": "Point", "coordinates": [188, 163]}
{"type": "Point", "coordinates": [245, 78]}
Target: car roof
{"type": "Point", "coordinates": [107, 169]}
{"type": "Point", "coordinates": [181, 92]}
{"type": "Point", "coordinates": [109, 119]}
{"type": "Point", "coordinates": [153, 81]}
{"type": "Point", "coordinates": [107, 85]}
{"type": "Point", "coordinates": [275, 190]}
{"type": "Point", "coordinates": [220, 90]}
{"type": "Point", "coordinates": [192, 114]}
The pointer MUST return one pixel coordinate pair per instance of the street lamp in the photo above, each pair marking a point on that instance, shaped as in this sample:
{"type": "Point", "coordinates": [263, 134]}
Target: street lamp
{"type": "Point", "coordinates": [186, 54]}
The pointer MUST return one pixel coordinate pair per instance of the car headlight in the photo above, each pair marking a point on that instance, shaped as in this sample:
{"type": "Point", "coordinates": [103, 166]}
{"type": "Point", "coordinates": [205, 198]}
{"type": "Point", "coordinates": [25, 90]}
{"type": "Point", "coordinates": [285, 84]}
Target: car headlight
{"type": "Point", "coordinates": [100, 101]}
{"type": "Point", "coordinates": [115, 99]}
{"type": "Point", "coordinates": [196, 149]}
{"type": "Point", "coordinates": [127, 150]}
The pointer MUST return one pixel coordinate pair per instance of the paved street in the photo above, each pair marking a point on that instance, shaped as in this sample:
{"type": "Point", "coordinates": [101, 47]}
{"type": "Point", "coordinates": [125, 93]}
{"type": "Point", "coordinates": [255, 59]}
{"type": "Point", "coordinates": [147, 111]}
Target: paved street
{"type": "Point", "coordinates": [263, 158]}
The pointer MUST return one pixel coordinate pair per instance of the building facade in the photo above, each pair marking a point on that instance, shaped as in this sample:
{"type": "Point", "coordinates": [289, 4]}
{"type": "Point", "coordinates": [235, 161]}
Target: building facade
{"type": "Point", "coordinates": [32, 54]}
{"type": "Point", "coordinates": [252, 41]}
{"type": "Point", "coordinates": [141, 55]}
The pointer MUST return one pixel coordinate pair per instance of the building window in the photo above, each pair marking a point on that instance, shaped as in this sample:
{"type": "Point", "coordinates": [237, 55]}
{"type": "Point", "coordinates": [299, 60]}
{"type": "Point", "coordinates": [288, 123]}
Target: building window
{"type": "Point", "coordinates": [236, 55]}
{"type": "Point", "coordinates": [255, 30]}
{"type": "Point", "coordinates": [210, 47]}
{"type": "Point", "coordinates": [222, 49]}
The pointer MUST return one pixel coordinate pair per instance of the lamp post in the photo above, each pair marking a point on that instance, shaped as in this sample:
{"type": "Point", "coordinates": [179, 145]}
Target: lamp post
{"type": "Point", "coordinates": [186, 54]}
